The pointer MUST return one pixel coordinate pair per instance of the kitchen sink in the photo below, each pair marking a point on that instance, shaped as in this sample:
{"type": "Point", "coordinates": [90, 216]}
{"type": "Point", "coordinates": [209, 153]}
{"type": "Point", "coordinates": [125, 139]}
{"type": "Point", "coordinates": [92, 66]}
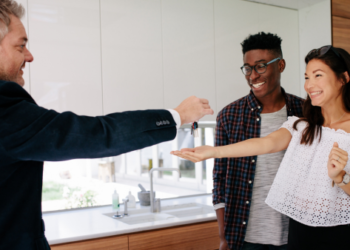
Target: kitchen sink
{"type": "Point", "coordinates": [192, 210]}
{"type": "Point", "coordinates": [143, 218]}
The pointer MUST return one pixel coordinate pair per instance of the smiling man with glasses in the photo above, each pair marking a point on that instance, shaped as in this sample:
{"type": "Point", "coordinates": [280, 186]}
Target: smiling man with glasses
{"type": "Point", "coordinates": [241, 185]}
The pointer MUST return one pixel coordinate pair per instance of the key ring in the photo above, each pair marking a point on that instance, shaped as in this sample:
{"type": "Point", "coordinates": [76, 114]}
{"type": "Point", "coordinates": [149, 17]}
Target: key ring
{"type": "Point", "coordinates": [194, 129]}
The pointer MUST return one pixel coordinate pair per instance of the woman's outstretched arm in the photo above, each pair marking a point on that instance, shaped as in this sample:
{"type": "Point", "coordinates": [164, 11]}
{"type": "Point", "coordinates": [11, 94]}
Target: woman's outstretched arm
{"type": "Point", "coordinates": [274, 142]}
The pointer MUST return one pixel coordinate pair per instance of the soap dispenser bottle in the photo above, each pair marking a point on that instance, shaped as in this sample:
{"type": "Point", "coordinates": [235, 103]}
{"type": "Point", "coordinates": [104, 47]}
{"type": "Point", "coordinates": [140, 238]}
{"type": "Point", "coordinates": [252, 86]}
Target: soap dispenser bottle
{"type": "Point", "coordinates": [115, 201]}
{"type": "Point", "coordinates": [132, 200]}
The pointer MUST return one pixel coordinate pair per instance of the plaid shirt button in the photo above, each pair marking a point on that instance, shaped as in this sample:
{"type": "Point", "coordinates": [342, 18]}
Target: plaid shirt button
{"type": "Point", "coordinates": [250, 182]}
{"type": "Point", "coordinates": [257, 119]}
{"type": "Point", "coordinates": [258, 107]}
{"type": "Point", "coordinates": [252, 109]}
{"type": "Point", "coordinates": [253, 160]}
{"type": "Point", "coordinates": [247, 202]}
{"type": "Point", "coordinates": [243, 222]}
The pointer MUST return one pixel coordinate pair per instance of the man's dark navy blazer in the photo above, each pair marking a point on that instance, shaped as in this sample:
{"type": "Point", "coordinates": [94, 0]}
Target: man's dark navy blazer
{"type": "Point", "coordinates": [30, 135]}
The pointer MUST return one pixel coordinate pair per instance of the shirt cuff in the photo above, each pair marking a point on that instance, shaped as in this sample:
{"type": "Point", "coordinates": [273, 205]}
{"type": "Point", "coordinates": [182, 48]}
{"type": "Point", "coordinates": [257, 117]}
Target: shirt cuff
{"type": "Point", "coordinates": [176, 117]}
{"type": "Point", "coordinates": [219, 205]}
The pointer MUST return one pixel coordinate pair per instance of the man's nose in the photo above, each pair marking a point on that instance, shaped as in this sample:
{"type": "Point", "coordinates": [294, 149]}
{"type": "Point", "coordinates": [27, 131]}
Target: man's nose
{"type": "Point", "coordinates": [254, 75]}
{"type": "Point", "coordinates": [28, 56]}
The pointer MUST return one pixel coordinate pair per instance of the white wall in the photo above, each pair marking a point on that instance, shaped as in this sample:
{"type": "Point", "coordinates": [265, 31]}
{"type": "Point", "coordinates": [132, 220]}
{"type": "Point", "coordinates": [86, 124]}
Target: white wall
{"type": "Point", "coordinates": [314, 31]}
{"type": "Point", "coordinates": [96, 57]}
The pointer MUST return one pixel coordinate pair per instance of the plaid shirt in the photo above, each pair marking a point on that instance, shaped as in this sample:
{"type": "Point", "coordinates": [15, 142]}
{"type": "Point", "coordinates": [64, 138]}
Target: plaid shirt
{"type": "Point", "coordinates": [234, 177]}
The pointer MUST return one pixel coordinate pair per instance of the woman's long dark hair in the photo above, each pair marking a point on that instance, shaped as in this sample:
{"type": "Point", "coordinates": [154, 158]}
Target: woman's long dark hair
{"type": "Point", "coordinates": [312, 114]}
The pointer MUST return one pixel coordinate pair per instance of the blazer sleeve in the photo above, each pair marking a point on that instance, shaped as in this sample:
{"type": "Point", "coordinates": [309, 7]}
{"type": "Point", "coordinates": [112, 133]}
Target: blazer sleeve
{"type": "Point", "coordinates": [32, 133]}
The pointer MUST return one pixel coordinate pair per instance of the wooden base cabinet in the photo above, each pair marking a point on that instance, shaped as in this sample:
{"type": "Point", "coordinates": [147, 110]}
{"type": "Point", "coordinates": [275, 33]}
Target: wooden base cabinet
{"type": "Point", "coordinates": [202, 236]}
{"type": "Point", "coordinates": [109, 243]}
{"type": "Point", "coordinates": [341, 24]}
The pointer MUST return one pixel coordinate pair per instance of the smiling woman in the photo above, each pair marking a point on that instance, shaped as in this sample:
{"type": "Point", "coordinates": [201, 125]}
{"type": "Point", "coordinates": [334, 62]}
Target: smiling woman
{"type": "Point", "coordinates": [326, 82]}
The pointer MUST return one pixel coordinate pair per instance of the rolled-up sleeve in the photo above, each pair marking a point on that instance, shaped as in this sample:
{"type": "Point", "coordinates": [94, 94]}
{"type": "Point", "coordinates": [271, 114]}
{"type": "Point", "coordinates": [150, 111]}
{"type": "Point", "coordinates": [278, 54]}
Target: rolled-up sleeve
{"type": "Point", "coordinates": [220, 165]}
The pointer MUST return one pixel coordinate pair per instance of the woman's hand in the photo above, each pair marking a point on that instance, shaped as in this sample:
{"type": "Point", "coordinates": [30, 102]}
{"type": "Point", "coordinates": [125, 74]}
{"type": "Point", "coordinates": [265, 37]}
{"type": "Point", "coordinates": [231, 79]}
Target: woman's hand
{"type": "Point", "coordinates": [197, 154]}
{"type": "Point", "coordinates": [337, 160]}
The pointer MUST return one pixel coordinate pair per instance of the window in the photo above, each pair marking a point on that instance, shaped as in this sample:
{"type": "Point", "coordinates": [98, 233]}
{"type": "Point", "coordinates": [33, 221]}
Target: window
{"type": "Point", "coordinates": [91, 182]}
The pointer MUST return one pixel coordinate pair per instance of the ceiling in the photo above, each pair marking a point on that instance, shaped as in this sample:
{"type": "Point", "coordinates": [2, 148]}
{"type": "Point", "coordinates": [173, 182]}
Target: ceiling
{"type": "Point", "coordinates": [291, 4]}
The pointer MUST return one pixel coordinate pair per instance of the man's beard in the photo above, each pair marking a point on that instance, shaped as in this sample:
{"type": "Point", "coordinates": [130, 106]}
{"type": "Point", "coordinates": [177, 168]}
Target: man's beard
{"type": "Point", "coordinates": [7, 77]}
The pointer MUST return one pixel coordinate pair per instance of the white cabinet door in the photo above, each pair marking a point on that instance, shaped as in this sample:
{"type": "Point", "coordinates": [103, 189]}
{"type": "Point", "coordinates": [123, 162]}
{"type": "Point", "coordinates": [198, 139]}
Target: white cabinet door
{"type": "Point", "coordinates": [131, 55]}
{"type": "Point", "coordinates": [188, 51]}
{"type": "Point", "coordinates": [315, 31]}
{"type": "Point", "coordinates": [27, 66]}
{"type": "Point", "coordinates": [65, 42]}
{"type": "Point", "coordinates": [285, 23]}
{"type": "Point", "coordinates": [234, 21]}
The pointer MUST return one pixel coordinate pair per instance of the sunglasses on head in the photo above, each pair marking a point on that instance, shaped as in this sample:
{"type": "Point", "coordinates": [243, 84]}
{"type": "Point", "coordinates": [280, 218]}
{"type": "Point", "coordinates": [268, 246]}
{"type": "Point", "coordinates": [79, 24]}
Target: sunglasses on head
{"type": "Point", "coordinates": [323, 50]}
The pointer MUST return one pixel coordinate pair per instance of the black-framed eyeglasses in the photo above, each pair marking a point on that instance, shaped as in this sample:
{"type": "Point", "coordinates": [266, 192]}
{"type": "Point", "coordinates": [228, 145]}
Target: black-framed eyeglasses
{"type": "Point", "coordinates": [323, 50]}
{"type": "Point", "coordinates": [260, 68]}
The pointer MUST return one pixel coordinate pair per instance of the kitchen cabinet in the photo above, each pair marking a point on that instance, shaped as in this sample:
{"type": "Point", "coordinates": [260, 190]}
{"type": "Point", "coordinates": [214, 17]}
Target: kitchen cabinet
{"type": "Point", "coordinates": [232, 26]}
{"type": "Point", "coordinates": [96, 57]}
{"type": "Point", "coordinates": [188, 51]}
{"type": "Point", "coordinates": [65, 42]}
{"type": "Point", "coordinates": [341, 24]}
{"type": "Point", "coordinates": [132, 69]}
{"type": "Point", "coordinates": [117, 242]}
{"type": "Point", "coordinates": [199, 236]}
{"type": "Point", "coordinates": [287, 29]}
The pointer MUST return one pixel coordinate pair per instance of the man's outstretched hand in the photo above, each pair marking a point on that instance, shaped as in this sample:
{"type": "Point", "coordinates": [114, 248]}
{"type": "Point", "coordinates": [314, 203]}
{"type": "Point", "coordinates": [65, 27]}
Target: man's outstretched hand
{"type": "Point", "coordinates": [192, 109]}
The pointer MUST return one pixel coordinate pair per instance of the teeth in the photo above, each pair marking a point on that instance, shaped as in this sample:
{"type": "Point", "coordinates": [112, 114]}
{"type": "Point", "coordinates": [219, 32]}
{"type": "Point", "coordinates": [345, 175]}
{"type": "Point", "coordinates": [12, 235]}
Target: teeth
{"type": "Point", "coordinates": [258, 85]}
{"type": "Point", "coordinates": [316, 93]}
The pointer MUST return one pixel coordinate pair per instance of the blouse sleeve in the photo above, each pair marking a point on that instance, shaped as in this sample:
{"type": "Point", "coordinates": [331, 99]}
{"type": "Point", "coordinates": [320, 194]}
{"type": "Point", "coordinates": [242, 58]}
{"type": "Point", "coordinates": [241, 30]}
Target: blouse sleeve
{"type": "Point", "coordinates": [289, 123]}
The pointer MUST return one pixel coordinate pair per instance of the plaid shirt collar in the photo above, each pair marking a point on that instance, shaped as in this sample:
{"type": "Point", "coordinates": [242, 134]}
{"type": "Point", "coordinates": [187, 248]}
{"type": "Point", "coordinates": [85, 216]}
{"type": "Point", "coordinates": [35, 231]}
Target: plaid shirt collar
{"type": "Point", "coordinates": [253, 102]}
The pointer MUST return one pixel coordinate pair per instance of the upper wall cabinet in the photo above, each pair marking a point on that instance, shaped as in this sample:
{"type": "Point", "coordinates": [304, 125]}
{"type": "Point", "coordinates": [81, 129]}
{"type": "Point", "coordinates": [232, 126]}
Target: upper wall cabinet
{"type": "Point", "coordinates": [95, 57]}
{"type": "Point", "coordinates": [235, 21]}
{"type": "Point", "coordinates": [231, 27]}
{"type": "Point", "coordinates": [315, 31]}
{"type": "Point", "coordinates": [65, 41]}
{"type": "Point", "coordinates": [188, 51]}
{"type": "Point", "coordinates": [284, 23]}
{"type": "Point", "coordinates": [131, 55]}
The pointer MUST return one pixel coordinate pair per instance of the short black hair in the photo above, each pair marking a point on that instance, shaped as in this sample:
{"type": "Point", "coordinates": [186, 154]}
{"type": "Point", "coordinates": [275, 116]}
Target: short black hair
{"type": "Point", "coordinates": [262, 40]}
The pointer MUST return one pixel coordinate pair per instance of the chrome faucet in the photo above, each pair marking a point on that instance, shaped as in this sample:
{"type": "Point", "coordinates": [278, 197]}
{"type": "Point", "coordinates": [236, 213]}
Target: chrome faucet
{"type": "Point", "coordinates": [119, 216]}
{"type": "Point", "coordinates": [126, 207]}
{"type": "Point", "coordinates": [151, 182]}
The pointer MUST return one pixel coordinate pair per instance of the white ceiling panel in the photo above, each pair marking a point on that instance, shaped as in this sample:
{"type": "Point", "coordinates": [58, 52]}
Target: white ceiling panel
{"type": "Point", "coordinates": [291, 4]}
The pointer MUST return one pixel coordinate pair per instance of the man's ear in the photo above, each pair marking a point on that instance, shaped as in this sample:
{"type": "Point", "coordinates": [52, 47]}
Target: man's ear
{"type": "Point", "coordinates": [282, 65]}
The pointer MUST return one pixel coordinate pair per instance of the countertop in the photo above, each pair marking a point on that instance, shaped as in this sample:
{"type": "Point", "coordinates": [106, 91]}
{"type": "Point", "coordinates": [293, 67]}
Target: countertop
{"type": "Point", "coordinates": [89, 223]}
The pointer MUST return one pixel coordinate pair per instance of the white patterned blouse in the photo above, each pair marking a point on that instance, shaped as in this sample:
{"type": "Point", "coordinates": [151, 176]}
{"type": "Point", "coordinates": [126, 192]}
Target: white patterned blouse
{"type": "Point", "coordinates": [302, 188]}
